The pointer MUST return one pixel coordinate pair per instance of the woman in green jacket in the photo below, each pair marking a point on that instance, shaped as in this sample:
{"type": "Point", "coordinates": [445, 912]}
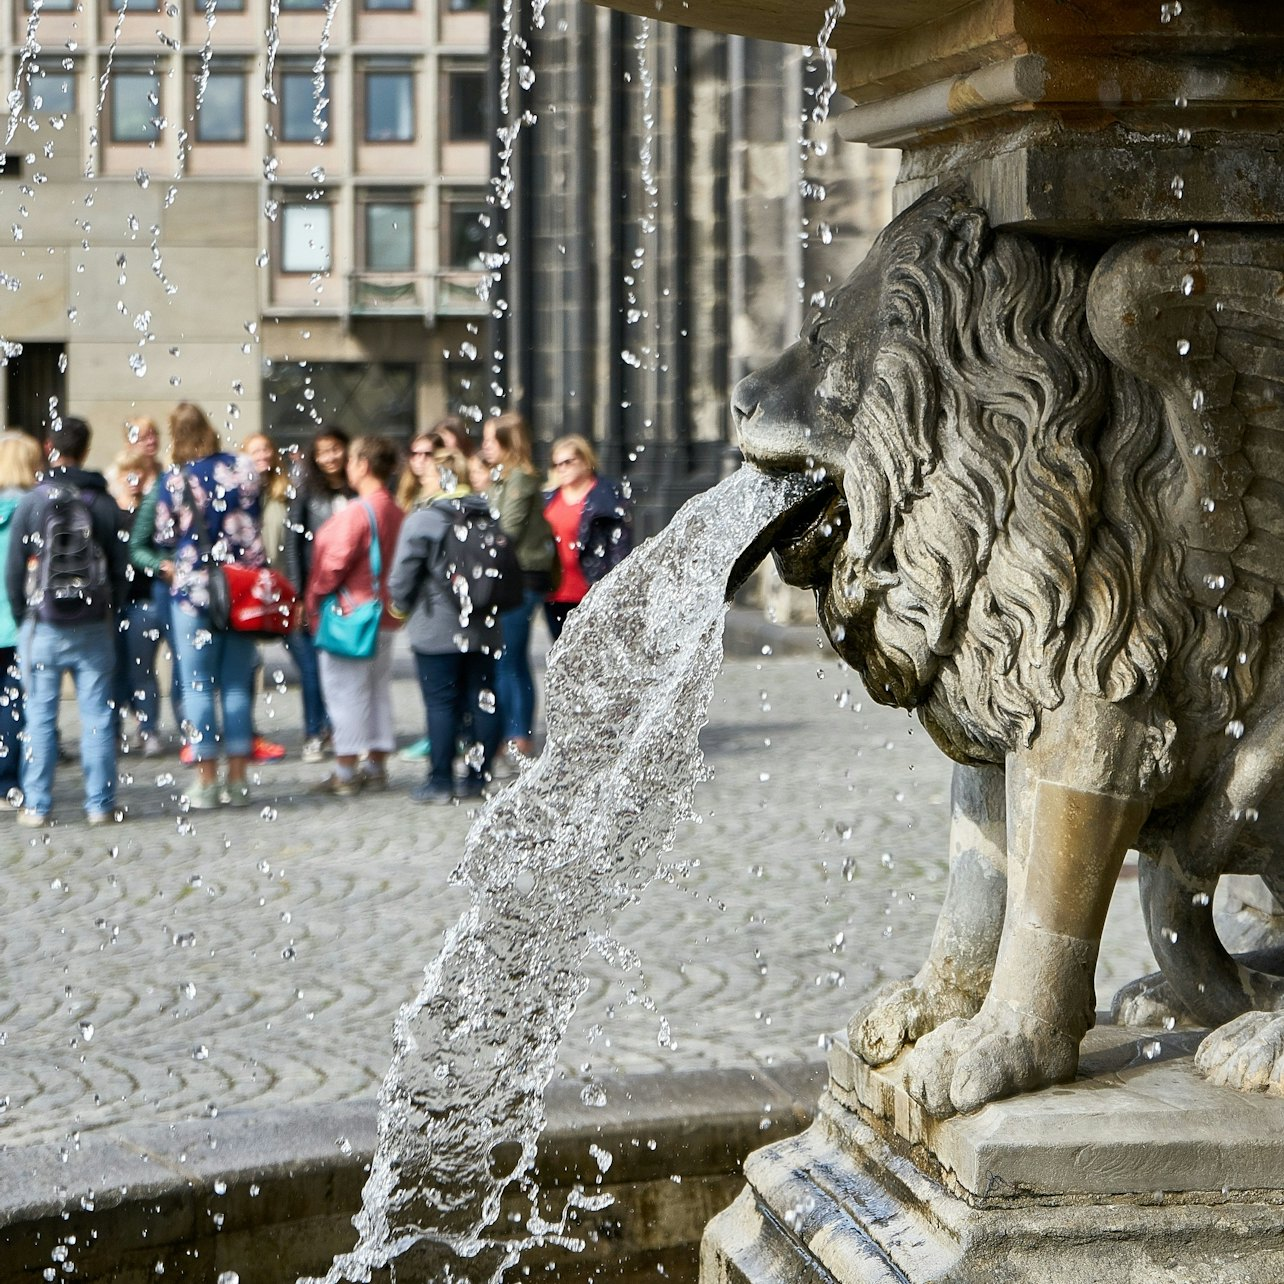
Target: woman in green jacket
{"type": "Point", "coordinates": [516, 496]}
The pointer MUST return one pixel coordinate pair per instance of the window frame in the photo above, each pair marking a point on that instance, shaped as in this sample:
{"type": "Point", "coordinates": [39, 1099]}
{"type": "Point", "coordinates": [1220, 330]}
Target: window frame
{"type": "Point", "coordinates": [72, 77]}
{"type": "Point", "coordinates": [291, 205]}
{"type": "Point", "coordinates": [120, 74]}
{"type": "Point", "coordinates": [393, 198]}
{"type": "Point", "coordinates": [225, 70]}
{"type": "Point", "coordinates": [451, 76]}
{"type": "Point", "coordinates": [451, 204]}
{"type": "Point", "coordinates": [370, 70]}
{"type": "Point", "coordinates": [316, 135]}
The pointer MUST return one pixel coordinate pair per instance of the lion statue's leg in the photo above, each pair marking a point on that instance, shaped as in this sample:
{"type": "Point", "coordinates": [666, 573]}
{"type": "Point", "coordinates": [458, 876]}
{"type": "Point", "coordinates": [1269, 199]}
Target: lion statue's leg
{"type": "Point", "coordinates": [1074, 809]}
{"type": "Point", "coordinates": [955, 979]}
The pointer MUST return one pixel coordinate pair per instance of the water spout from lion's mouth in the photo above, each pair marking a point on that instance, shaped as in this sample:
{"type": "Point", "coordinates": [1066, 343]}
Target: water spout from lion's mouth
{"type": "Point", "coordinates": [814, 499]}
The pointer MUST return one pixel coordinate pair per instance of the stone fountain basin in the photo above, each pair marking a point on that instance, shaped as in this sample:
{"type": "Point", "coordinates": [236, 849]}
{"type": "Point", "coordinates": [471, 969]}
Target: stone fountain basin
{"type": "Point", "coordinates": [270, 1194]}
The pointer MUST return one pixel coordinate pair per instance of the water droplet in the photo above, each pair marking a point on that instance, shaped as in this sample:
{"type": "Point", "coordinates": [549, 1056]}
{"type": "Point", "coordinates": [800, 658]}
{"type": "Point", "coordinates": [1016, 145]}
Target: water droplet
{"type": "Point", "coordinates": [200, 1053]}
{"type": "Point", "coordinates": [143, 178]}
{"type": "Point", "coordinates": [593, 1094]}
{"type": "Point", "coordinates": [87, 1031]}
{"type": "Point", "coordinates": [1183, 347]}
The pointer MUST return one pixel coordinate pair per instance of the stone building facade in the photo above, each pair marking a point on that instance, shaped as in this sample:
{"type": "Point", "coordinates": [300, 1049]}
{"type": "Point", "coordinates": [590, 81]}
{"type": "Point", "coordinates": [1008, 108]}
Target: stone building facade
{"type": "Point", "coordinates": [292, 229]}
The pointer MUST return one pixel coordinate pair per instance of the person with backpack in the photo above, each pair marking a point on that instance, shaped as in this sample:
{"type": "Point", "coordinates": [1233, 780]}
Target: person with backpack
{"type": "Point", "coordinates": [65, 569]}
{"type": "Point", "coordinates": [207, 510]}
{"type": "Point", "coordinates": [453, 573]}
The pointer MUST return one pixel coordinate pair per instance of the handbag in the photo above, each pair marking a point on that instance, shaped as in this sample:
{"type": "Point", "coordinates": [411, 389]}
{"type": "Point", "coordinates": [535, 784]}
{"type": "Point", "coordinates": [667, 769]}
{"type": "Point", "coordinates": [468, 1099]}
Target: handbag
{"type": "Point", "coordinates": [347, 629]}
{"type": "Point", "coordinates": [243, 599]}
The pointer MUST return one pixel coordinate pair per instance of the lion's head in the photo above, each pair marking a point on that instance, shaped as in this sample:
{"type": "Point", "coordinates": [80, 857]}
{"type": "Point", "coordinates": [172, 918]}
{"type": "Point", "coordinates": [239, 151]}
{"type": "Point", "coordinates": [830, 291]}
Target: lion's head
{"type": "Point", "coordinates": [1000, 488]}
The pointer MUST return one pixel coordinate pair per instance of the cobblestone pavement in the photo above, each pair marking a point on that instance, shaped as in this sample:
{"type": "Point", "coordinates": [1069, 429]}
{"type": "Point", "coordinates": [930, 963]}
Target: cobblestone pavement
{"type": "Point", "coordinates": [179, 964]}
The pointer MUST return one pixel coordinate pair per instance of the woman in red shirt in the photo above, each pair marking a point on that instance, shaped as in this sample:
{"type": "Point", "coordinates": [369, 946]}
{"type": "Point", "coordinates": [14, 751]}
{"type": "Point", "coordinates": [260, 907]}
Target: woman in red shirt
{"type": "Point", "coordinates": [592, 526]}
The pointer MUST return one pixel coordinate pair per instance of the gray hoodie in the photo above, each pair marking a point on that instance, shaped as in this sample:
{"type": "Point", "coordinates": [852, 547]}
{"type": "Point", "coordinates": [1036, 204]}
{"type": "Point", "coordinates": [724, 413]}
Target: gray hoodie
{"type": "Point", "coordinates": [418, 588]}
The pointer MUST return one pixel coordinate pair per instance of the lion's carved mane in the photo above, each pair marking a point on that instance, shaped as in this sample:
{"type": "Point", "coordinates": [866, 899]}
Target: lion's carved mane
{"type": "Point", "coordinates": [1010, 495]}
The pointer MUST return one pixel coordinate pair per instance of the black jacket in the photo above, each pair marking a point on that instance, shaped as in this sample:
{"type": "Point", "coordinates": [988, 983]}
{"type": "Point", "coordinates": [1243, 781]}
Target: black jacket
{"type": "Point", "coordinates": [28, 520]}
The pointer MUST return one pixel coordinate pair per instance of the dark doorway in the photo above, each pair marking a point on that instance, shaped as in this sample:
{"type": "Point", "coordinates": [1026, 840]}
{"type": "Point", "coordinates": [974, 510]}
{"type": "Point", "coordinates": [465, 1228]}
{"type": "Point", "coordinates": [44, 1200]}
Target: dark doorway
{"type": "Point", "coordinates": [36, 377]}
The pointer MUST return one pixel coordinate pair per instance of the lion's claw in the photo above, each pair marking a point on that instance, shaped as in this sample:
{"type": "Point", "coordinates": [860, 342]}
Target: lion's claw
{"type": "Point", "coordinates": [903, 1013]}
{"type": "Point", "coordinates": [1246, 1053]}
{"type": "Point", "coordinates": [997, 1053]}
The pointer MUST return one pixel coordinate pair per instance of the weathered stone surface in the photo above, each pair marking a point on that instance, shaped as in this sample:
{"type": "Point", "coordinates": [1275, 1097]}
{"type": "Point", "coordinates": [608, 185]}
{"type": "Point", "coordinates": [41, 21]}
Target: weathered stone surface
{"type": "Point", "coordinates": [1140, 1171]}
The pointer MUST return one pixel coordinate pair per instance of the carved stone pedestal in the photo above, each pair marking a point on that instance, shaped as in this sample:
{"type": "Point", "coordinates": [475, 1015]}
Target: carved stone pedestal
{"type": "Point", "coordinates": [1139, 1172]}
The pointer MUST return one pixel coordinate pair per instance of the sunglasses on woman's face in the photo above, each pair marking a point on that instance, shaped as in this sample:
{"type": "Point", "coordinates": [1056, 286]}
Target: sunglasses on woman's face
{"type": "Point", "coordinates": [420, 454]}
{"type": "Point", "coordinates": [566, 463]}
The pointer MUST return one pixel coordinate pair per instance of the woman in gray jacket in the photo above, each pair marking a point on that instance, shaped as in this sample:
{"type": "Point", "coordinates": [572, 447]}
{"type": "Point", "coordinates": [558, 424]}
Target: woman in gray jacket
{"type": "Point", "coordinates": [454, 651]}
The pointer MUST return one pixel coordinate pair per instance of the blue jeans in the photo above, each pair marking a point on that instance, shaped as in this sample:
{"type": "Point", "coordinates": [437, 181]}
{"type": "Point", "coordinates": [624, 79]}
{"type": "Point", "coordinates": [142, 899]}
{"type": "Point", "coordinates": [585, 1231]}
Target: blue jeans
{"type": "Point", "coordinates": [11, 720]}
{"type": "Point", "coordinates": [515, 687]}
{"type": "Point", "coordinates": [138, 639]}
{"type": "Point", "coordinates": [303, 651]}
{"type": "Point", "coordinates": [451, 685]}
{"type": "Point", "coordinates": [88, 653]}
{"type": "Point", "coordinates": [217, 668]}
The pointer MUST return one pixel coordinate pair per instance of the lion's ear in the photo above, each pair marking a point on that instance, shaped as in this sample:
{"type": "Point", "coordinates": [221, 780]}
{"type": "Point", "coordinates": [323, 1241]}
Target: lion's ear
{"type": "Point", "coordinates": [954, 208]}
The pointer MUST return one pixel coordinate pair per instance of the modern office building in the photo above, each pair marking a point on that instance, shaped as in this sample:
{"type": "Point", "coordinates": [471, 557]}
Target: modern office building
{"type": "Point", "coordinates": [273, 210]}
{"type": "Point", "coordinates": [282, 209]}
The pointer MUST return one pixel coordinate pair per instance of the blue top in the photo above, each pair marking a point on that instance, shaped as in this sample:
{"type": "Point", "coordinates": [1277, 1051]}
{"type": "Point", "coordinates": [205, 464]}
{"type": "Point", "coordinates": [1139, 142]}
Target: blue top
{"type": "Point", "coordinates": [8, 504]}
{"type": "Point", "coordinates": [226, 491]}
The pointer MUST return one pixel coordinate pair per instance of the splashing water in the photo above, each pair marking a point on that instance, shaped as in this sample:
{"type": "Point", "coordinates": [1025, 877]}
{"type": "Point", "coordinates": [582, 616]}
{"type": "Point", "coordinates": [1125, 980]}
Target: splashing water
{"type": "Point", "coordinates": [549, 863]}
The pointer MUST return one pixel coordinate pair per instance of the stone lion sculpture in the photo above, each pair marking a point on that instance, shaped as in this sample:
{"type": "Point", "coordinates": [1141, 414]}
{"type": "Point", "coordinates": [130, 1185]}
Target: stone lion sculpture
{"type": "Point", "coordinates": [1054, 529]}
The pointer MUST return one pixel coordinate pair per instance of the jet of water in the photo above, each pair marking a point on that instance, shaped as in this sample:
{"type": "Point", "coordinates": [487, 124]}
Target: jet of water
{"type": "Point", "coordinates": [548, 863]}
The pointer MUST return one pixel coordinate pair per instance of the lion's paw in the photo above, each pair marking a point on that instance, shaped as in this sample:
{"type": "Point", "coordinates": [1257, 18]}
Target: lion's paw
{"type": "Point", "coordinates": [998, 1053]}
{"type": "Point", "coordinates": [903, 1012]}
{"type": "Point", "coordinates": [1149, 1000]}
{"type": "Point", "coordinates": [1246, 1053]}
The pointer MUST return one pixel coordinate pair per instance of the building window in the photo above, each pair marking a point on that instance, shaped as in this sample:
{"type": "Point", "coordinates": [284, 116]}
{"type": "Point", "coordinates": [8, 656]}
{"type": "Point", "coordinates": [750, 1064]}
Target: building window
{"type": "Point", "coordinates": [54, 6]}
{"type": "Point", "coordinates": [220, 6]}
{"type": "Point", "coordinates": [52, 93]}
{"type": "Point", "coordinates": [135, 105]}
{"type": "Point", "coordinates": [468, 6]}
{"type": "Point", "coordinates": [389, 104]}
{"type": "Point", "coordinates": [220, 113]}
{"type": "Point", "coordinates": [305, 237]}
{"type": "Point", "coordinates": [302, 4]}
{"type": "Point", "coordinates": [134, 6]}
{"type": "Point", "coordinates": [305, 116]}
{"type": "Point", "coordinates": [465, 229]}
{"type": "Point", "coordinates": [389, 236]}
{"type": "Point", "coordinates": [377, 6]}
{"type": "Point", "coordinates": [466, 106]}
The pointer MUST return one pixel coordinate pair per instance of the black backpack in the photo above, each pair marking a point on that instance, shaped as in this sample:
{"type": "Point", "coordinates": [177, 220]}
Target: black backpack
{"type": "Point", "coordinates": [67, 580]}
{"type": "Point", "coordinates": [479, 563]}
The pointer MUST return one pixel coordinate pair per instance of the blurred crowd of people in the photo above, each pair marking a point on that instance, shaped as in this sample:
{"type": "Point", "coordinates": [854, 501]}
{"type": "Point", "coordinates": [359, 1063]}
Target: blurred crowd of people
{"type": "Point", "coordinates": [352, 521]}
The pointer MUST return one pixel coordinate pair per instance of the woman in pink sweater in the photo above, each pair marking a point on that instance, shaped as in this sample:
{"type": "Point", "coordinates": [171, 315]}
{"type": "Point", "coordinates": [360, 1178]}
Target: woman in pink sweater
{"type": "Point", "coordinates": [357, 691]}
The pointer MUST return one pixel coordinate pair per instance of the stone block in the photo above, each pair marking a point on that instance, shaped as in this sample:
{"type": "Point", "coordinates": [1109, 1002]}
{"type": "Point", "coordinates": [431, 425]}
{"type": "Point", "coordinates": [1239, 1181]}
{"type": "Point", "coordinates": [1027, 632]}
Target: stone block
{"type": "Point", "coordinates": [1139, 1171]}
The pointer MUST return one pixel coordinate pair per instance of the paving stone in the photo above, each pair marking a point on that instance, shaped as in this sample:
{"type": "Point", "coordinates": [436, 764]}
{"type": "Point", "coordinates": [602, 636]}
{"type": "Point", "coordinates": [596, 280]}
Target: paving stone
{"type": "Point", "coordinates": [186, 965]}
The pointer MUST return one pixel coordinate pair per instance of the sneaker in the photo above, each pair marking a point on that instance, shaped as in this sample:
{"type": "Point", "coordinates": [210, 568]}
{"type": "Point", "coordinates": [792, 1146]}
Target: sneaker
{"type": "Point", "coordinates": [267, 750]}
{"type": "Point", "coordinates": [29, 819]}
{"type": "Point", "coordinates": [432, 795]}
{"type": "Point", "coordinates": [375, 781]}
{"type": "Point", "coordinates": [314, 749]}
{"type": "Point", "coordinates": [204, 797]}
{"type": "Point", "coordinates": [187, 755]}
{"type": "Point", "coordinates": [337, 788]}
{"type": "Point", "coordinates": [236, 793]}
{"type": "Point", "coordinates": [104, 817]}
{"type": "Point", "coordinates": [416, 752]}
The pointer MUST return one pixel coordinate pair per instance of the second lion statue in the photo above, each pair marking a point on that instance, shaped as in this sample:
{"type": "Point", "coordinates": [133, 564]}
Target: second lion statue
{"type": "Point", "coordinates": [1054, 530]}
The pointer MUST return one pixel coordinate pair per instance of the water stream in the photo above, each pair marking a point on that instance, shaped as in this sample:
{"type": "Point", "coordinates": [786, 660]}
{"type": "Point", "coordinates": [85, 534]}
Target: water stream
{"type": "Point", "coordinates": [548, 864]}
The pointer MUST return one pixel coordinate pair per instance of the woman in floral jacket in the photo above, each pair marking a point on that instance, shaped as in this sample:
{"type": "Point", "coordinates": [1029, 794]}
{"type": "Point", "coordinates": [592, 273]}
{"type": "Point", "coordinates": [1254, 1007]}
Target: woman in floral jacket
{"type": "Point", "coordinates": [221, 491]}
